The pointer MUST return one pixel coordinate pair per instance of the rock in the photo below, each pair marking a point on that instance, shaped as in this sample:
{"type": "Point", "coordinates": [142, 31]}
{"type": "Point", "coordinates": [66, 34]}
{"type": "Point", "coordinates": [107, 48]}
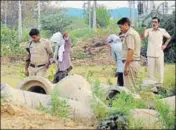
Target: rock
{"type": "Point", "coordinates": [113, 122]}
{"type": "Point", "coordinates": [170, 101]}
{"type": "Point", "coordinates": [146, 117]}
{"type": "Point", "coordinates": [149, 83]}
{"type": "Point", "coordinates": [159, 90]}
{"type": "Point", "coordinates": [11, 109]}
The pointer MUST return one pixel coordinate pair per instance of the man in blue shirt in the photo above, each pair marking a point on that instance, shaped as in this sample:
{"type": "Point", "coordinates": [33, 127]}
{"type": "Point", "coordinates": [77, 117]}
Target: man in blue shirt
{"type": "Point", "coordinates": [115, 43]}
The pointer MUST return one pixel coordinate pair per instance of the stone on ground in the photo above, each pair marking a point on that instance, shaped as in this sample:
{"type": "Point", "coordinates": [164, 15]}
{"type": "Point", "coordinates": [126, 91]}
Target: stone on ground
{"type": "Point", "coordinates": [170, 101]}
{"type": "Point", "coordinates": [146, 117]}
{"type": "Point", "coordinates": [149, 83]}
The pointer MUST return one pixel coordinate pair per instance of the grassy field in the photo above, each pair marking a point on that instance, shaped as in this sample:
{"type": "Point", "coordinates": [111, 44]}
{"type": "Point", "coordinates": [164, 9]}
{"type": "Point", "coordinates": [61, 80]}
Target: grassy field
{"type": "Point", "coordinates": [13, 73]}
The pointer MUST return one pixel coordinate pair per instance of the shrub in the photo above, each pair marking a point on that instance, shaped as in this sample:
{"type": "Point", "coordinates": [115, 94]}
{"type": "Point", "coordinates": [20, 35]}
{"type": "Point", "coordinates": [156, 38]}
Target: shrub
{"type": "Point", "coordinates": [9, 41]}
{"type": "Point", "coordinates": [54, 22]}
{"type": "Point", "coordinates": [58, 107]}
{"type": "Point", "coordinates": [102, 16]}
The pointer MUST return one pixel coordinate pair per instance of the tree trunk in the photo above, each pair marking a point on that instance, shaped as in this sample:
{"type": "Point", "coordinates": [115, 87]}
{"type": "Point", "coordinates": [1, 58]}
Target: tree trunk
{"type": "Point", "coordinates": [94, 15]}
{"type": "Point", "coordinates": [39, 26]}
{"type": "Point", "coordinates": [5, 13]}
{"type": "Point", "coordinates": [89, 9]}
{"type": "Point", "coordinates": [19, 21]}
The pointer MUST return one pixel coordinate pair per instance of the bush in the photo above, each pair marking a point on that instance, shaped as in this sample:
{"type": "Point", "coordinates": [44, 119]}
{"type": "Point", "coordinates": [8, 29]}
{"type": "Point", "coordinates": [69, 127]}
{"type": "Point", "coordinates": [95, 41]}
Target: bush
{"type": "Point", "coordinates": [54, 22]}
{"type": "Point", "coordinates": [102, 16]}
{"type": "Point", "coordinates": [9, 42]}
{"type": "Point", "coordinates": [81, 34]}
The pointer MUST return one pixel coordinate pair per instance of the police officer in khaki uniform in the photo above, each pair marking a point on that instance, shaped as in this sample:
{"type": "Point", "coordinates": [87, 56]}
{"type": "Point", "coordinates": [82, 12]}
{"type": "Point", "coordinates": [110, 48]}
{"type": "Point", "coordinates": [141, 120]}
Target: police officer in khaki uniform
{"type": "Point", "coordinates": [155, 55]}
{"type": "Point", "coordinates": [39, 55]}
{"type": "Point", "coordinates": [130, 53]}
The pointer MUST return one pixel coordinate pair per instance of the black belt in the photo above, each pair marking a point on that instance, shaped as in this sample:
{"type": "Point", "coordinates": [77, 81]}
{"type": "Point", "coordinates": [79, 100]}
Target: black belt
{"type": "Point", "coordinates": [131, 61]}
{"type": "Point", "coordinates": [34, 66]}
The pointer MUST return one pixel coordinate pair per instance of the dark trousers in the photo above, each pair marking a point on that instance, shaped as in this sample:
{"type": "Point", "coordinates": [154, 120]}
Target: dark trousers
{"type": "Point", "coordinates": [120, 79]}
{"type": "Point", "coordinates": [61, 74]}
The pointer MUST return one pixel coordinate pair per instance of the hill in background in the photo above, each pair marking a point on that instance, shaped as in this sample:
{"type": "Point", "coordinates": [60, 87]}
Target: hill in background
{"type": "Point", "coordinates": [115, 13]}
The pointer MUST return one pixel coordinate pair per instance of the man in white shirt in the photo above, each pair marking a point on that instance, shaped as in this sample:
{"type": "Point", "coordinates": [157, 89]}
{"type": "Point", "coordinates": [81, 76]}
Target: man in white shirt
{"type": "Point", "coordinates": [155, 54]}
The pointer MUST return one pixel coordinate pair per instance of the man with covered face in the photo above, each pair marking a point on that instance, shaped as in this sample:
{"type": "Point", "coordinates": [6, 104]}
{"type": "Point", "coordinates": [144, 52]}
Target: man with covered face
{"type": "Point", "coordinates": [155, 55]}
{"type": "Point", "coordinates": [130, 53]}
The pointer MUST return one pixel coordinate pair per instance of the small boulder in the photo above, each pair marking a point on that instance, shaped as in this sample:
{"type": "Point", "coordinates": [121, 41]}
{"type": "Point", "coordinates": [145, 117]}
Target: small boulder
{"type": "Point", "coordinates": [170, 101]}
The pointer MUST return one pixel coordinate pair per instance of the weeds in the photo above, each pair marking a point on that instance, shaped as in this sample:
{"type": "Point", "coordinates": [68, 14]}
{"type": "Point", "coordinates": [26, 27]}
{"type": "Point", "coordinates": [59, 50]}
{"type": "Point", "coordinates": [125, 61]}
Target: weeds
{"type": "Point", "coordinates": [80, 55]}
{"type": "Point", "coordinates": [167, 115]}
{"type": "Point", "coordinates": [125, 102]}
{"type": "Point", "coordinates": [58, 107]}
{"type": "Point", "coordinates": [110, 82]}
{"type": "Point", "coordinates": [89, 74]}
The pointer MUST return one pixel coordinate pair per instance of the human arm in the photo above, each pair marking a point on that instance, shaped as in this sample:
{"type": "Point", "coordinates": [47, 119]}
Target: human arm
{"type": "Point", "coordinates": [27, 62]}
{"type": "Point", "coordinates": [49, 50]}
{"type": "Point", "coordinates": [131, 45]}
{"type": "Point", "coordinates": [145, 34]}
{"type": "Point", "coordinates": [168, 37]}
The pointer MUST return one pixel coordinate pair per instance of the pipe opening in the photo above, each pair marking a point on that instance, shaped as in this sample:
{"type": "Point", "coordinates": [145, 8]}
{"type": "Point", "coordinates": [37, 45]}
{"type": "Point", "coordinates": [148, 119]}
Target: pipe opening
{"type": "Point", "coordinates": [37, 89]}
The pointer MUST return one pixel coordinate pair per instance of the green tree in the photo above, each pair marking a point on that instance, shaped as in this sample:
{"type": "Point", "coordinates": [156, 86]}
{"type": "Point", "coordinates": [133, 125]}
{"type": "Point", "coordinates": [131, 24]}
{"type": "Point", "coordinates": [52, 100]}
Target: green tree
{"type": "Point", "coordinates": [102, 16]}
{"type": "Point", "coordinates": [54, 22]}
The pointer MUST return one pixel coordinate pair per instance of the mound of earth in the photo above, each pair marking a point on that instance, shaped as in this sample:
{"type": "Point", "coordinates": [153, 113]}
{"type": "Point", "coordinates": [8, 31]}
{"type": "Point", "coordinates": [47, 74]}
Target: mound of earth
{"type": "Point", "coordinates": [94, 51]}
{"type": "Point", "coordinates": [20, 117]}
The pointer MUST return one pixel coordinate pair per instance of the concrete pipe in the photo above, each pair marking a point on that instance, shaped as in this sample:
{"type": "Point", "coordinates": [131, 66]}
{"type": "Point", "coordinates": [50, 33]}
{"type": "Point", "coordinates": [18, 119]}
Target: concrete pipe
{"type": "Point", "coordinates": [14, 96]}
{"type": "Point", "coordinates": [37, 85]}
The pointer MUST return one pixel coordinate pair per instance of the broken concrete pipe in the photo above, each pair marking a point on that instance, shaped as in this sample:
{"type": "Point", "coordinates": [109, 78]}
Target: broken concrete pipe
{"type": "Point", "coordinates": [36, 84]}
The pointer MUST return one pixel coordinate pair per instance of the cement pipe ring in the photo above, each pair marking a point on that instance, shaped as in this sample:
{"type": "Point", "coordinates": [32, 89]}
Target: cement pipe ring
{"type": "Point", "coordinates": [36, 84]}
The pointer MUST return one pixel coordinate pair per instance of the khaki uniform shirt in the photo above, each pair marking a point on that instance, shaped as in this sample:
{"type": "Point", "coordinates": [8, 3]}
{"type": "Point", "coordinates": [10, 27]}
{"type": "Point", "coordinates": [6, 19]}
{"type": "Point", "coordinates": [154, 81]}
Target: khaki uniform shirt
{"type": "Point", "coordinates": [132, 41]}
{"type": "Point", "coordinates": [40, 52]}
{"type": "Point", "coordinates": [155, 41]}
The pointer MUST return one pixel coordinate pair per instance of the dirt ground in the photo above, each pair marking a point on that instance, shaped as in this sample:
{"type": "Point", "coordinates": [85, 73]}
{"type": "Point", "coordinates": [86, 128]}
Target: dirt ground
{"type": "Point", "coordinates": [20, 117]}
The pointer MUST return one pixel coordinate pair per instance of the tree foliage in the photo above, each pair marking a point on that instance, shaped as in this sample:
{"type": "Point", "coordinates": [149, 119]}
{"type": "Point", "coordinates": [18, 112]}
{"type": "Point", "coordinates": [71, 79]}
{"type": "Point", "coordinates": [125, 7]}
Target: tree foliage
{"type": "Point", "coordinates": [102, 16]}
{"type": "Point", "coordinates": [168, 23]}
{"type": "Point", "coordinates": [55, 22]}
{"type": "Point", "coordinates": [9, 41]}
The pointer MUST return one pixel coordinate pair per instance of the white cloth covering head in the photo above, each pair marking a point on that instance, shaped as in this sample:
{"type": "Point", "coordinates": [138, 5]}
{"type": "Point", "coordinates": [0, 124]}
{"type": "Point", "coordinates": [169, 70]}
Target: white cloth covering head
{"type": "Point", "coordinates": [57, 38]}
{"type": "Point", "coordinates": [113, 38]}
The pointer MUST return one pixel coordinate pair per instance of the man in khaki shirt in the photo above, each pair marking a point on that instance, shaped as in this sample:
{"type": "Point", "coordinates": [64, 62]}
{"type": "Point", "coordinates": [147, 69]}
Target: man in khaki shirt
{"type": "Point", "coordinates": [155, 55]}
{"type": "Point", "coordinates": [39, 55]}
{"type": "Point", "coordinates": [130, 53]}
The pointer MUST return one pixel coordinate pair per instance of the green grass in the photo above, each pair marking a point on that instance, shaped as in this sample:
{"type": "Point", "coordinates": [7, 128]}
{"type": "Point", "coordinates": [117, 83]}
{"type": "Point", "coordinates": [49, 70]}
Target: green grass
{"type": "Point", "coordinates": [58, 108]}
{"type": "Point", "coordinates": [98, 75]}
{"type": "Point", "coordinates": [167, 115]}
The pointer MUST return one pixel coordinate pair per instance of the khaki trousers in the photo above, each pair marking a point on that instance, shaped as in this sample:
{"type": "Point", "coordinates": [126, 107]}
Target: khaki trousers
{"type": "Point", "coordinates": [38, 71]}
{"type": "Point", "coordinates": [130, 79]}
{"type": "Point", "coordinates": [156, 64]}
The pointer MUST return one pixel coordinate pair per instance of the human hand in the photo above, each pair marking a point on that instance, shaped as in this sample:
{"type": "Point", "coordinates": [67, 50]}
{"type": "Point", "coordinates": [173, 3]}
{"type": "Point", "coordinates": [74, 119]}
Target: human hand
{"type": "Point", "coordinates": [26, 73]}
{"type": "Point", "coordinates": [126, 71]}
{"type": "Point", "coordinates": [47, 65]}
{"type": "Point", "coordinates": [163, 47]}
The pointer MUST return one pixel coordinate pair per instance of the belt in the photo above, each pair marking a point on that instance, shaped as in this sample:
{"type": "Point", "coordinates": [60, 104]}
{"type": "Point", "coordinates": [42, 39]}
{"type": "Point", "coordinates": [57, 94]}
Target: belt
{"type": "Point", "coordinates": [131, 61]}
{"type": "Point", "coordinates": [34, 66]}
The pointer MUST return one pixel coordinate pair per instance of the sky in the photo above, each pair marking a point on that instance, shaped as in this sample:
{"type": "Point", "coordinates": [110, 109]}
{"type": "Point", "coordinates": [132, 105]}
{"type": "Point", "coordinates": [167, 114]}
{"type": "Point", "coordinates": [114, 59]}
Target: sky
{"type": "Point", "coordinates": [108, 4]}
